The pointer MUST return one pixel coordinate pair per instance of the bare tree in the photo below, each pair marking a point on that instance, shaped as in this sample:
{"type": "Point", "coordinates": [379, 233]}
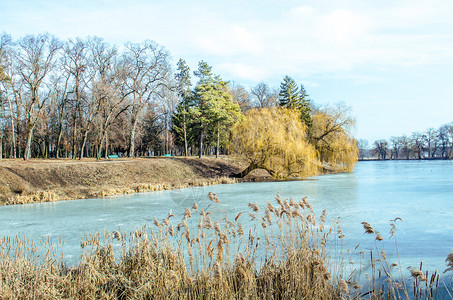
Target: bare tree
{"type": "Point", "coordinates": [396, 145]}
{"type": "Point", "coordinates": [445, 140]}
{"type": "Point", "coordinates": [146, 66]}
{"type": "Point", "coordinates": [418, 144]}
{"type": "Point", "coordinates": [34, 59]}
{"type": "Point", "coordinates": [263, 96]}
{"type": "Point", "coordinates": [363, 146]}
{"type": "Point", "coordinates": [166, 101]}
{"type": "Point", "coordinates": [431, 137]}
{"type": "Point", "coordinates": [381, 149]}
{"type": "Point", "coordinates": [109, 91]}
{"type": "Point", "coordinates": [5, 80]}
{"type": "Point", "coordinates": [241, 97]}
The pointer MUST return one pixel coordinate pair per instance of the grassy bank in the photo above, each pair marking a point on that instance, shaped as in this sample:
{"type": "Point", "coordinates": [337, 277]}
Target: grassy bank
{"type": "Point", "coordinates": [50, 180]}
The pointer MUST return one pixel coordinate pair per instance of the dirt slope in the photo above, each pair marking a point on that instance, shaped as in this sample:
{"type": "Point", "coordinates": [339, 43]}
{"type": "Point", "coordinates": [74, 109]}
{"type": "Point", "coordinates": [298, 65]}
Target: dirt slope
{"type": "Point", "coordinates": [50, 180]}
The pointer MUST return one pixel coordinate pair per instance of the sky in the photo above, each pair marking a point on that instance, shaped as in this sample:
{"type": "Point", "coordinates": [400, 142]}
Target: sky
{"type": "Point", "coordinates": [391, 62]}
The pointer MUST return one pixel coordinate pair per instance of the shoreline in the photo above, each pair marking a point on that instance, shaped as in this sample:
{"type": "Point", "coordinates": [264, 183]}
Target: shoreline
{"type": "Point", "coordinates": [48, 180]}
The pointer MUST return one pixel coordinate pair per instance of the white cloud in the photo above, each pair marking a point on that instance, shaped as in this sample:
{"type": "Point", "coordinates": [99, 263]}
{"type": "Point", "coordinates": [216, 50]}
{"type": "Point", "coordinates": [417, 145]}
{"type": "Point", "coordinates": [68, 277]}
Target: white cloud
{"type": "Point", "coordinates": [343, 27]}
{"type": "Point", "coordinates": [244, 71]}
{"type": "Point", "coordinates": [234, 40]}
{"type": "Point", "coordinates": [302, 11]}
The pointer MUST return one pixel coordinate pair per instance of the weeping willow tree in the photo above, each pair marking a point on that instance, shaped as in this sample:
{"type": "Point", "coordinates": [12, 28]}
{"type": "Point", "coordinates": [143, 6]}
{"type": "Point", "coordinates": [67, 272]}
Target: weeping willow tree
{"type": "Point", "coordinates": [330, 135]}
{"type": "Point", "coordinates": [274, 139]}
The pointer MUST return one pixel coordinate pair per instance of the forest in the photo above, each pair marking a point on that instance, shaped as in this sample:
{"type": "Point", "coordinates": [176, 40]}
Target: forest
{"type": "Point", "coordinates": [88, 98]}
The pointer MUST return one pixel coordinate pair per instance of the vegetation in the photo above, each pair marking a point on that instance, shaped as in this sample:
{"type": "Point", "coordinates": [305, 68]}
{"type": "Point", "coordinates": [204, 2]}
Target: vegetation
{"type": "Point", "coordinates": [277, 140]}
{"type": "Point", "coordinates": [86, 98]}
{"type": "Point", "coordinates": [292, 97]}
{"type": "Point", "coordinates": [274, 139]}
{"type": "Point", "coordinates": [289, 253]}
{"type": "Point", "coordinates": [430, 144]}
{"type": "Point", "coordinates": [330, 135]}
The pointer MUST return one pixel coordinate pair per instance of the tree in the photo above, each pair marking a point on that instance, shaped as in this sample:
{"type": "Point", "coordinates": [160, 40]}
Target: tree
{"type": "Point", "coordinates": [363, 146]}
{"type": "Point", "coordinates": [5, 80]}
{"type": "Point", "coordinates": [35, 58]}
{"type": "Point", "coordinates": [146, 67]}
{"type": "Point", "coordinates": [241, 97]}
{"type": "Point", "coordinates": [202, 95]}
{"type": "Point", "coordinates": [274, 139]}
{"type": "Point", "coordinates": [446, 140]}
{"type": "Point", "coordinates": [180, 118]}
{"type": "Point", "coordinates": [396, 145]}
{"type": "Point", "coordinates": [76, 74]}
{"type": "Point", "coordinates": [291, 96]}
{"type": "Point", "coordinates": [418, 144]}
{"type": "Point", "coordinates": [330, 135]}
{"type": "Point", "coordinates": [212, 107]}
{"type": "Point", "coordinates": [224, 111]}
{"type": "Point", "coordinates": [405, 146]}
{"type": "Point", "coordinates": [431, 136]}
{"type": "Point", "coordinates": [381, 149]}
{"type": "Point", "coordinates": [262, 96]}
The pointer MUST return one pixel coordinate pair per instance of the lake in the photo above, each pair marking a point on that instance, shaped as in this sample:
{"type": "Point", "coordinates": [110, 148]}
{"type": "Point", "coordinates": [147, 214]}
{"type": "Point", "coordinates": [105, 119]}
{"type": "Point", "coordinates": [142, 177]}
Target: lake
{"type": "Point", "coordinates": [419, 192]}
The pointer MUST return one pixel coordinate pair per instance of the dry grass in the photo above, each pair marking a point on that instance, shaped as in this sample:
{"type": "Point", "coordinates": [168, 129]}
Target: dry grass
{"type": "Point", "coordinates": [203, 255]}
{"type": "Point", "coordinates": [288, 253]}
{"type": "Point", "coordinates": [51, 180]}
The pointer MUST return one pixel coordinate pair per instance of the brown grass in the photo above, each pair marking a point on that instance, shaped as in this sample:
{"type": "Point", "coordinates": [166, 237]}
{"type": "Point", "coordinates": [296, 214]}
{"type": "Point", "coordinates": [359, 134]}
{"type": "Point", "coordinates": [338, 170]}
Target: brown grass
{"type": "Point", "coordinates": [51, 180]}
{"type": "Point", "coordinates": [290, 253]}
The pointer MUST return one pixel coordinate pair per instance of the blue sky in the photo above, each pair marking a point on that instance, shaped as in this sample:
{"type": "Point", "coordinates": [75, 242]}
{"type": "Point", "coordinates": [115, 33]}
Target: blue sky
{"type": "Point", "coordinates": [390, 61]}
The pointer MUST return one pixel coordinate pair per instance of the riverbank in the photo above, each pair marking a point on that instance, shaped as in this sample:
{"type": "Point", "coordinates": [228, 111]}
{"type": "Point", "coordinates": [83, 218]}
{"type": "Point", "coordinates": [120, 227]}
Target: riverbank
{"type": "Point", "coordinates": [40, 180]}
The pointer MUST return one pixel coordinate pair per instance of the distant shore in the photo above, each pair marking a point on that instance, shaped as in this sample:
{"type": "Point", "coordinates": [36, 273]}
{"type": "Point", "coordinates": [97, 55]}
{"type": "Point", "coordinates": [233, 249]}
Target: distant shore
{"type": "Point", "coordinates": [398, 159]}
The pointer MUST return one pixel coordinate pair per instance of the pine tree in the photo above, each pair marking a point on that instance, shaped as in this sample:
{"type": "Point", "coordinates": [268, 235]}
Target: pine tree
{"type": "Point", "coordinates": [212, 106]}
{"type": "Point", "coordinates": [293, 97]}
{"type": "Point", "coordinates": [180, 119]}
{"type": "Point", "coordinates": [289, 95]}
{"type": "Point", "coordinates": [305, 108]}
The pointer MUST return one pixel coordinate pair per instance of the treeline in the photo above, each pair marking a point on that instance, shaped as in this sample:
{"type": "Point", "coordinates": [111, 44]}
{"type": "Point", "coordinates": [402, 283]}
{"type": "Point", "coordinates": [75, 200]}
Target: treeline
{"type": "Point", "coordinates": [430, 144]}
{"type": "Point", "coordinates": [88, 98]}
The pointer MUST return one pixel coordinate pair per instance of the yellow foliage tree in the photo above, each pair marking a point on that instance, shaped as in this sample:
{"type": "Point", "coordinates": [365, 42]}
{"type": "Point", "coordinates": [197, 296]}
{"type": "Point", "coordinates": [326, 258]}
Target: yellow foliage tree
{"type": "Point", "coordinates": [331, 137]}
{"type": "Point", "coordinates": [276, 140]}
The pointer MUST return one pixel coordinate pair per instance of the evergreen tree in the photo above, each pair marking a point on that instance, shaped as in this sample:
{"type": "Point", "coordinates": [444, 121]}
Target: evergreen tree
{"type": "Point", "coordinates": [212, 106]}
{"type": "Point", "coordinates": [292, 97]}
{"type": "Point", "coordinates": [289, 95]}
{"type": "Point", "coordinates": [305, 108]}
{"type": "Point", "coordinates": [202, 96]}
{"type": "Point", "coordinates": [181, 119]}
{"type": "Point", "coordinates": [223, 111]}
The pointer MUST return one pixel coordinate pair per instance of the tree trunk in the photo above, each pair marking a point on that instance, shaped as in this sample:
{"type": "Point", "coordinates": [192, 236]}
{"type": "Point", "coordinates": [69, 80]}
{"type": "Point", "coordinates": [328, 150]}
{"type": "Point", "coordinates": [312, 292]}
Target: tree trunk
{"type": "Point", "coordinates": [218, 143]}
{"type": "Point", "coordinates": [60, 134]}
{"type": "Point", "coordinates": [106, 144]}
{"type": "Point", "coordinates": [74, 139]}
{"type": "Point", "coordinates": [185, 136]}
{"type": "Point", "coordinates": [132, 139]}
{"type": "Point", "coordinates": [200, 154]}
{"type": "Point", "coordinates": [27, 152]}
{"type": "Point", "coordinates": [84, 141]}
{"type": "Point", "coordinates": [246, 171]}
{"type": "Point", "coordinates": [13, 136]}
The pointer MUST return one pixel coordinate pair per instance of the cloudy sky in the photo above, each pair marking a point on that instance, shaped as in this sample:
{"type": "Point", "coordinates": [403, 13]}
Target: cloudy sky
{"type": "Point", "coordinates": [390, 61]}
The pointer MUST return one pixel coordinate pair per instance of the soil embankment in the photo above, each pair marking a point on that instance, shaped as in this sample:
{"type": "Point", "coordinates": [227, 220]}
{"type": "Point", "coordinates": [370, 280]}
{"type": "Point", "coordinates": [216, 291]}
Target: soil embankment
{"type": "Point", "coordinates": [50, 180]}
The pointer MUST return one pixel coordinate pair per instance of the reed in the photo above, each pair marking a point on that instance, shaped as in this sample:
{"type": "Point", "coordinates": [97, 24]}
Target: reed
{"type": "Point", "coordinates": [288, 253]}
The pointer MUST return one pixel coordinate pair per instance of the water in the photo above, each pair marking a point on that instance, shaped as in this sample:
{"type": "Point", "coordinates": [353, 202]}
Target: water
{"type": "Point", "coordinates": [419, 192]}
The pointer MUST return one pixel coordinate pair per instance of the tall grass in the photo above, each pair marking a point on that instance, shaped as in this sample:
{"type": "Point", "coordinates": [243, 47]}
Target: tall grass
{"type": "Point", "coordinates": [288, 252]}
